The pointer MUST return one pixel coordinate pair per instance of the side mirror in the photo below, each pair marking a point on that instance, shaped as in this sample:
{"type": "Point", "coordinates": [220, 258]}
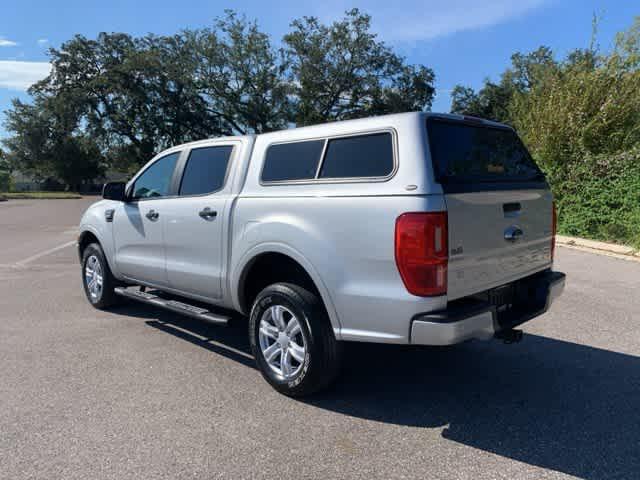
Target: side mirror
{"type": "Point", "coordinates": [114, 191]}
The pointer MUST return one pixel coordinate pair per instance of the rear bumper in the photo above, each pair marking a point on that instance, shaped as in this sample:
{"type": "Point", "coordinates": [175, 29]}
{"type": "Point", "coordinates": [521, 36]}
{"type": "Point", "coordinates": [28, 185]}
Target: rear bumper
{"type": "Point", "coordinates": [483, 315]}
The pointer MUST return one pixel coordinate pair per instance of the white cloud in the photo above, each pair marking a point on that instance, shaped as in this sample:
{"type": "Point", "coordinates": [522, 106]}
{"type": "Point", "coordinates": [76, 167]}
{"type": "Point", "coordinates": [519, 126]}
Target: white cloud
{"type": "Point", "coordinates": [414, 20]}
{"type": "Point", "coordinates": [7, 43]}
{"type": "Point", "coordinates": [21, 75]}
{"type": "Point", "coordinates": [459, 16]}
{"type": "Point", "coordinates": [43, 41]}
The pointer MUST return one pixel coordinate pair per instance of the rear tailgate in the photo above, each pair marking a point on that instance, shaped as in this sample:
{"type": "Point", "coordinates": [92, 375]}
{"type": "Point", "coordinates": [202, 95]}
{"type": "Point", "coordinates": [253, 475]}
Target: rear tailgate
{"type": "Point", "coordinates": [498, 204]}
{"type": "Point", "coordinates": [480, 255]}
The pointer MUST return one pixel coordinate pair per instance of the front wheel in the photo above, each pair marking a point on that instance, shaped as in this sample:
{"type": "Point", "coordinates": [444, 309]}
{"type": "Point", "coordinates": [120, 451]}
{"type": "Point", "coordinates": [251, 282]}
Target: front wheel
{"type": "Point", "coordinates": [292, 340]}
{"type": "Point", "coordinates": [97, 279]}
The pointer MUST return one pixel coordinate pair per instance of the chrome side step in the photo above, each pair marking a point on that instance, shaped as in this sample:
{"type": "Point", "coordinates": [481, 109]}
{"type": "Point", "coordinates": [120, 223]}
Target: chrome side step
{"type": "Point", "coordinates": [172, 305]}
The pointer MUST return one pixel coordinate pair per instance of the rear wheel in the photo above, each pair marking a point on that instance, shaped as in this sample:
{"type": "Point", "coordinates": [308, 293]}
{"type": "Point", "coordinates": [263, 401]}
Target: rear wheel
{"type": "Point", "coordinates": [292, 340]}
{"type": "Point", "coordinates": [97, 279]}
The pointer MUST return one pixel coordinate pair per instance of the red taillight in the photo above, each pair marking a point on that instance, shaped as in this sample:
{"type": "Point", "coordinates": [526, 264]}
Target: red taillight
{"type": "Point", "coordinates": [554, 228]}
{"type": "Point", "coordinates": [422, 252]}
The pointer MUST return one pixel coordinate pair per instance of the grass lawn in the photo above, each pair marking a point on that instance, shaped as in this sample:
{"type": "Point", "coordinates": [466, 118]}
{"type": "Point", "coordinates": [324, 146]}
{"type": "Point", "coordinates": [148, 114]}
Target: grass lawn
{"type": "Point", "coordinates": [39, 195]}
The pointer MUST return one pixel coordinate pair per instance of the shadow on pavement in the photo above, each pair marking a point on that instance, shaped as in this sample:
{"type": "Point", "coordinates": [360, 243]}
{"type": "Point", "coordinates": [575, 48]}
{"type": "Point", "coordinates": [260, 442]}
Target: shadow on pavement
{"type": "Point", "coordinates": [545, 402]}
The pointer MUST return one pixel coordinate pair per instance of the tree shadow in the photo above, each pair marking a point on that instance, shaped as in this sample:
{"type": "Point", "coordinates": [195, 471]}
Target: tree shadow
{"type": "Point", "coordinates": [550, 403]}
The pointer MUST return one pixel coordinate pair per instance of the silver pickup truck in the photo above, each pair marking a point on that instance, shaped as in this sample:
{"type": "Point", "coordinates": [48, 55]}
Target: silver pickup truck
{"type": "Point", "coordinates": [413, 228]}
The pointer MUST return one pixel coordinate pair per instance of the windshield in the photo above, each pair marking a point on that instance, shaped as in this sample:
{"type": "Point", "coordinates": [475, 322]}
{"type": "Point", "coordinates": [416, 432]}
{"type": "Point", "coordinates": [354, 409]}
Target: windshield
{"type": "Point", "coordinates": [463, 152]}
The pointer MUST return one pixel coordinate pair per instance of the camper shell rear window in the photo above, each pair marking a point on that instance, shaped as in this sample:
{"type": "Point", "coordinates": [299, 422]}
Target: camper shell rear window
{"type": "Point", "coordinates": [472, 152]}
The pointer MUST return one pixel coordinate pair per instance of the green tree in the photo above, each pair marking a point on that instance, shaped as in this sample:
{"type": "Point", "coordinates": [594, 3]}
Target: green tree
{"type": "Point", "coordinates": [117, 100]}
{"type": "Point", "coordinates": [5, 173]}
{"type": "Point", "coordinates": [241, 76]}
{"type": "Point", "coordinates": [46, 146]}
{"type": "Point", "coordinates": [135, 96]}
{"type": "Point", "coordinates": [493, 100]}
{"type": "Point", "coordinates": [586, 106]}
{"type": "Point", "coordinates": [138, 96]}
{"type": "Point", "coordinates": [342, 71]}
{"type": "Point", "coordinates": [627, 47]}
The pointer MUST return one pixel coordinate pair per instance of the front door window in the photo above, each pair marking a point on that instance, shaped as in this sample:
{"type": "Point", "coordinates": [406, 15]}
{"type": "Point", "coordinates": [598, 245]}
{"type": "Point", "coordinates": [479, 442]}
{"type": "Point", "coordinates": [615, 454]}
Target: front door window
{"type": "Point", "coordinates": [155, 181]}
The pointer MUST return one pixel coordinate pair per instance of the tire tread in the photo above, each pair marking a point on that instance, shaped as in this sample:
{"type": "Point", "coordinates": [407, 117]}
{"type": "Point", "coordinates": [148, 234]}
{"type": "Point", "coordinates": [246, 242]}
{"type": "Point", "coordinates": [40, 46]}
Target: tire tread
{"type": "Point", "coordinates": [109, 282]}
{"type": "Point", "coordinates": [327, 359]}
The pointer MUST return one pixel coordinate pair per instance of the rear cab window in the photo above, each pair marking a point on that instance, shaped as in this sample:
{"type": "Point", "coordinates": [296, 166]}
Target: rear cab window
{"type": "Point", "coordinates": [471, 154]}
{"type": "Point", "coordinates": [205, 170]}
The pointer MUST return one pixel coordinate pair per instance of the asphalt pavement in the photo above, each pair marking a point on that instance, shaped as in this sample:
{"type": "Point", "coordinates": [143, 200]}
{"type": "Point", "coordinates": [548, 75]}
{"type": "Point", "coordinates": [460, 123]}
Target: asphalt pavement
{"type": "Point", "coordinates": [139, 393]}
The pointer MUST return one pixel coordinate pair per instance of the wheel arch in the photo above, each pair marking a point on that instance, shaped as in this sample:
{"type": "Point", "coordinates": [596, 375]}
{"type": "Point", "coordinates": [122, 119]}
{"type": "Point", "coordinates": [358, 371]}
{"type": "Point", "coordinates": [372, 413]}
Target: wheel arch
{"type": "Point", "coordinates": [86, 238]}
{"type": "Point", "coordinates": [260, 257]}
{"type": "Point", "coordinates": [89, 235]}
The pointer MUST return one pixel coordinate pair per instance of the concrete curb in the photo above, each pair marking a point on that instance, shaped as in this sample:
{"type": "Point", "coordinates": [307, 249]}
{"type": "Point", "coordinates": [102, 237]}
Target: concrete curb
{"type": "Point", "coordinates": [603, 248]}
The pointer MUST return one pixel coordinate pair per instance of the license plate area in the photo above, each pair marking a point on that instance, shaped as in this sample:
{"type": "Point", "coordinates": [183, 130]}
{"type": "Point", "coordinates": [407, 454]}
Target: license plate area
{"type": "Point", "coordinates": [502, 297]}
{"type": "Point", "coordinates": [517, 300]}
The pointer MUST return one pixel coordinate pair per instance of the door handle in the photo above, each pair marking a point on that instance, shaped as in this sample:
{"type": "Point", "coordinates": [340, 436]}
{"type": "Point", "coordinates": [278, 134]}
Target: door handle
{"type": "Point", "coordinates": [208, 214]}
{"type": "Point", "coordinates": [152, 215]}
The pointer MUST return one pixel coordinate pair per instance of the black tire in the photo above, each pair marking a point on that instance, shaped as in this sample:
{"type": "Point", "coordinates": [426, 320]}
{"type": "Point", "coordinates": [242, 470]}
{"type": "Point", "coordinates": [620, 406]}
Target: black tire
{"type": "Point", "coordinates": [323, 352]}
{"type": "Point", "coordinates": [107, 296]}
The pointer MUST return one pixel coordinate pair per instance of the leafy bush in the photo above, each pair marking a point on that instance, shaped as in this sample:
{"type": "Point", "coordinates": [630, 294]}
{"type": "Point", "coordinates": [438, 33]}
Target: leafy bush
{"type": "Point", "coordinates": [583, 126]}
{"type": "Point", "coordinates": [601, 199]}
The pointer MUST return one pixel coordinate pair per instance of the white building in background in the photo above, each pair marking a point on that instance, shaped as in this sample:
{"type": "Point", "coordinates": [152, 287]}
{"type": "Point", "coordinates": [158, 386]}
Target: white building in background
{"type": "Point", "coordinates": [22, 182]}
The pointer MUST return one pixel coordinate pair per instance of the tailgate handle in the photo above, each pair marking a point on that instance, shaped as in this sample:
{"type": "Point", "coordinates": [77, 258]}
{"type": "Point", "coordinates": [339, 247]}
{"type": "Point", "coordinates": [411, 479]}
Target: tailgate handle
{"type": "Point", "coordinates": [511, 209]}
{"type": "Point", "coordinates": [513, 233]}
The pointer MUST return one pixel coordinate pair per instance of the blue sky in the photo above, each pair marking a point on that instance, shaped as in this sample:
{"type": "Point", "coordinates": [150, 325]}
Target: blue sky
{"type": "Point", "coordinates": [464, 41]}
